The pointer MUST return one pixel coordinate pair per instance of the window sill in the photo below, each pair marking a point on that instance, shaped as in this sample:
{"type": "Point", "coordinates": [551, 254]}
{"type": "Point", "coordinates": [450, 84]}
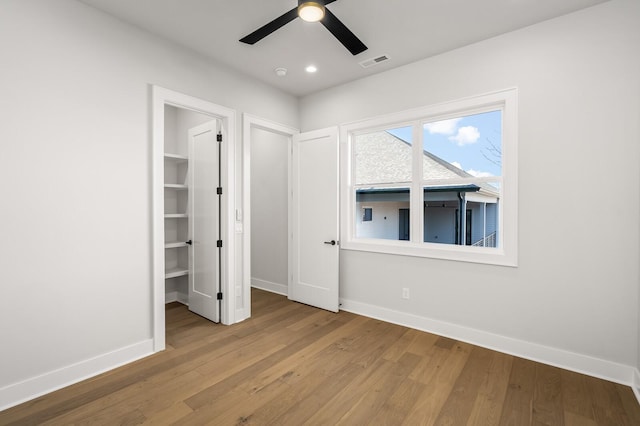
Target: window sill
{"type": "Point", "coordinates": [483, 255]}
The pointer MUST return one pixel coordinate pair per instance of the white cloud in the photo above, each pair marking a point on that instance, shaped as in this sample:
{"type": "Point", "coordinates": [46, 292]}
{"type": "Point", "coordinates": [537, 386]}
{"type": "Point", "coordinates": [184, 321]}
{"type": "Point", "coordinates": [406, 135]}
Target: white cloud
{"type": "Point", "coordinates": [444, 127]}
{"type": "Point", "coordinates": [466, 135]}
{"type": "Point", "coordinates": [458, 165]}
{"type": "Point", "coordinates": [478, 174]}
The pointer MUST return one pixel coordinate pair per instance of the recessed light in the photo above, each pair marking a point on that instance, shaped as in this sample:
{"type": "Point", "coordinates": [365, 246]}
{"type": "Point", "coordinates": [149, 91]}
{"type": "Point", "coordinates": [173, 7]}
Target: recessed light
{"type": "Point", "coordinates": [311, 69]}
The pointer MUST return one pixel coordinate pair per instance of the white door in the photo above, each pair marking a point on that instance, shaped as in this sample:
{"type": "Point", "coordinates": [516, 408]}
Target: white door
{"type": "Point", "coordinates": [204, 223]}
{"type": "Point", "coordinates": [315, 219]}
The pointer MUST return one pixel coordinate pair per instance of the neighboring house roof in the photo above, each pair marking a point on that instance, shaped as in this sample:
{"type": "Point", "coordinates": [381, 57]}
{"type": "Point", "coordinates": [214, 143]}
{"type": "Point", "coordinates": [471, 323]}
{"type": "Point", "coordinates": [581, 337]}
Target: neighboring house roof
{"type": "Point", "coordinates": [381, 157]}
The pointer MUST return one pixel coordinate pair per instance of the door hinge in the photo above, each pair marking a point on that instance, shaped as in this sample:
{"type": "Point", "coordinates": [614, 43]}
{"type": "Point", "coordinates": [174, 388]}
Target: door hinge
{"type": "Point", "coordinates": [219, 243]}
{"type": "Point", "coordinates": [219, 296]}
{"type": "Point", "coordinates": [219, 190]}
{"type": "Point", "coordinates": [219, 137]}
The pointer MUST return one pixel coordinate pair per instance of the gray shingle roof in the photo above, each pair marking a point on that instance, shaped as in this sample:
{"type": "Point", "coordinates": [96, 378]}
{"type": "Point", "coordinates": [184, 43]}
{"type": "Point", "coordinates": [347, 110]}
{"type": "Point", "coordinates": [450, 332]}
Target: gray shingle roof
{"type": "Point", "coordinates": [384, 158]}
{"type": "Point", "coordinates": [381, 157]}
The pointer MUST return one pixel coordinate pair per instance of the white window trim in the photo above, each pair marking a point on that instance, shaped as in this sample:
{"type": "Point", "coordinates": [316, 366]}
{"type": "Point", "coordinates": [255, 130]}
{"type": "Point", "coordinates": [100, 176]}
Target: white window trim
{"type": "Point", "coordinates": [507, 252]}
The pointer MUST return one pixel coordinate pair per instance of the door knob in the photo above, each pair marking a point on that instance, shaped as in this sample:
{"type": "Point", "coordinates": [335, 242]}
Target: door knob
{"type": "Point", "coordinates": [332, 242]}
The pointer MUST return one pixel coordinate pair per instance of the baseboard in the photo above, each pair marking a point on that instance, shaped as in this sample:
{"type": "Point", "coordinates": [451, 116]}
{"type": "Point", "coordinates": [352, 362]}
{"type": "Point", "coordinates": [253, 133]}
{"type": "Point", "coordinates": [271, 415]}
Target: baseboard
{"type": "Point", "coordinates": [20, 392]}
{"type": "Point", "coordinates": [175, 296]}
{"type": "Point", "coordinates": [270, 286]}
{"type": "Point", "coordinates": [171, 297]}
{"type": "Point", "coordinates": [636, 384]}
{"type": "Point", "coordinates": [579, 363]}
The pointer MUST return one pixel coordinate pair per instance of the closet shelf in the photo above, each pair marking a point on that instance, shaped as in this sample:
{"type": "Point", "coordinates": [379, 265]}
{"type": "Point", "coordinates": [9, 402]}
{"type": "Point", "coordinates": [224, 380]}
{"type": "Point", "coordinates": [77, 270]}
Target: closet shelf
{"type": "Point", "coordinates": [175, 186]}
{"type": "Point", "coordinates": [175, 216]}
{"type": "Point", "coordinates": [175, 156]}
{"type": "Point", "coordinates": [175, 272]}
{"type": "Point", "coordinates": [174, 244]}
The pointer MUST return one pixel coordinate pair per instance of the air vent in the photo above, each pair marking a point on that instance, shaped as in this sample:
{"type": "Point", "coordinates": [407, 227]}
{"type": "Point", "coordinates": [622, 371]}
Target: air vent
{"type": "Point", "coordinates": [374, 61]}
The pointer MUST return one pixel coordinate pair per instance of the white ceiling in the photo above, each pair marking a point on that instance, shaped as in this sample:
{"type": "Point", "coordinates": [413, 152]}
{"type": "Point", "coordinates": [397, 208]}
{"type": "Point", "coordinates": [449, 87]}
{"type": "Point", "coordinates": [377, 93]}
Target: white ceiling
{"type": "Point", "coordinates": [404, 30]}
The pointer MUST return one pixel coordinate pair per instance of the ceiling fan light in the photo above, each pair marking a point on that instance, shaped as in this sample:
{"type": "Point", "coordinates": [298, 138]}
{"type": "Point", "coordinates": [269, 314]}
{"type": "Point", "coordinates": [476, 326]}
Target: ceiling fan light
{"type": "Point", "coordinates": [311, 11]}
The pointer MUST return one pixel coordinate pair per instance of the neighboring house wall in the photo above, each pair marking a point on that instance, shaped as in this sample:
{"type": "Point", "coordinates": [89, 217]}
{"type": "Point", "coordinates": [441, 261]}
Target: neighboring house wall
{"type": "Point", "coordinates": [491, 220]}
{"type": "Point", "coordinates": [76, 222]}
{"type": "Point", "coordinates": [572, 300]}
{"type": "Point", "coordinates": [440, 224]}
{"type": "Point", "coordinates": [440, 216]}
{"type": "Point", "coordinates": [384, 223]}
{"type": "Point", "coordinates": [480, 229]}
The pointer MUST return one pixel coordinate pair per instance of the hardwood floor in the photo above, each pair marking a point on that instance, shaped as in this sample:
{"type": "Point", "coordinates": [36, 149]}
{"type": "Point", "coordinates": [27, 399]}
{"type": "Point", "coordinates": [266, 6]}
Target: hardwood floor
{"type": "Point", "coordinates": [292, 364]}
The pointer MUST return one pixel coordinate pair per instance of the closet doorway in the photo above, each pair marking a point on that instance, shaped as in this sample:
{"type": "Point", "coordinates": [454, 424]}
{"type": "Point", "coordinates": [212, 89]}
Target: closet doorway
{"type": "Point", "coordinates": [193, 212]}
{"type": "Point", "coordinates": [267, 148]}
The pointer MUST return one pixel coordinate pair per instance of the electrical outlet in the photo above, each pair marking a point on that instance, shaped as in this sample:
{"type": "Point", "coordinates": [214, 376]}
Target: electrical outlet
{"type": "Point", "coordinates": [405, 293]}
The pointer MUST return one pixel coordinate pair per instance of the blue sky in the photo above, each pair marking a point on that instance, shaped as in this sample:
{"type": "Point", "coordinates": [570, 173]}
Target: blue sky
{"type": "Point", "coordinates": [473, 142]}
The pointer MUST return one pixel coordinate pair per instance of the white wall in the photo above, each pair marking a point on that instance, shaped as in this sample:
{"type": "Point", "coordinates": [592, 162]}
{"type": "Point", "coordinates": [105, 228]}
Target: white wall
{"type": "Point", "coordinates": [76, 211]}
{"type": "Point", "coordinates": [269, 210]}
{"type": "Point", "coordinates": [574, 297]}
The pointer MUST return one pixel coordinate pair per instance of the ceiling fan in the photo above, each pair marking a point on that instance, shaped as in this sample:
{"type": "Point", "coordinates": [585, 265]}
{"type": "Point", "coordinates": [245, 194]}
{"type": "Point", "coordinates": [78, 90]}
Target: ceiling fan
{"type": "Point", "coordinates": [311, 11]}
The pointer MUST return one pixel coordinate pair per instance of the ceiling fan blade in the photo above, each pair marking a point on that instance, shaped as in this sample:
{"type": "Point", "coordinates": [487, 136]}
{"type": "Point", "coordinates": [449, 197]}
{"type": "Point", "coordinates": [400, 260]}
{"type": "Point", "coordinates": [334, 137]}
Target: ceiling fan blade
{"type": "Point", "coordinates": [267, 29]}
{"type": "Point", "coordinates": [342, 33]}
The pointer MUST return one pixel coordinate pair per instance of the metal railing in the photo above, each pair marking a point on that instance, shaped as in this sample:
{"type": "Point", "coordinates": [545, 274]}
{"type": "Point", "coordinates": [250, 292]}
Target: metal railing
{"type": "Point", "coordinates": [488, 241]}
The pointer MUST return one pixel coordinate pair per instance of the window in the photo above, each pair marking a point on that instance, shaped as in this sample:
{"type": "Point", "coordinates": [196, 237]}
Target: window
{"type": "Point", "coordinates": [367, 214]}
{"type": "Point", "coordinates": [442, 180]}
{"type": "Point", "coordinates": [382, 175]}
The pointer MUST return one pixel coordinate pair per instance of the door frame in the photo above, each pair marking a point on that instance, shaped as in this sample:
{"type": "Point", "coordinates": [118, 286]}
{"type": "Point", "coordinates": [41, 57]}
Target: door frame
{"type": "Point", "coordinates": [250, 122]}
{"type": "Point", "coordinates": [159, 98]}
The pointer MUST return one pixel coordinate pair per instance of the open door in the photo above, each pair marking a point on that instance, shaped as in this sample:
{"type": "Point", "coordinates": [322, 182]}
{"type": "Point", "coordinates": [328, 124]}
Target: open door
{"type": "Point", "coordinates": [204, 221]}
{"type": "Point", "coordinates": [315, 257]}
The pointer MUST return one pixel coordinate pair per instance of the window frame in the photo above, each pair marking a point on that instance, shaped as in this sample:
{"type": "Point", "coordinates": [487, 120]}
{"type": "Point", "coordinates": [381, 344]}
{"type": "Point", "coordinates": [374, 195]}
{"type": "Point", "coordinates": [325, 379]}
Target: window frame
{"type": "Point", "coordinates": [506, 252]}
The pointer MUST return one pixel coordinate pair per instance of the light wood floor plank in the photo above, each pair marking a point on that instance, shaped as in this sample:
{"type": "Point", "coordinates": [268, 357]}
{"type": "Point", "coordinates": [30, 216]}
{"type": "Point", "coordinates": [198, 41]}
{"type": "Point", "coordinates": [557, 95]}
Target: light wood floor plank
{"type": "Point", "coordinates": [575, 395]}
{"type": "Point", "coordinates": [607, 405]}
{"type": "Point", "coordinates": [330, 369]}
{"type": "Point", "coordinates": [460, 402]}
{"type": "Point", "coordinates": [215, 391]}
{"type": "Point", "coordinates": [291, 364]}
{"type": "Point", "coordinates": [346, 397]}
{"type": "Point", "coordinates": [547, 398]}
{"type": "Point", "coordinates": [365, 410]}
{"type": "Point", "coordinates": [518, 405]}
{"type": "Point", "coordinates": [487, 407]}
{"type": "Point", "coordinates": [396, 409]}
{"type": "Point", "coordinates": [572, 419]}
{"type": "Point", "coordinates": [271, 400]}
{"type": "Point", "coordinates": [629, 404]}
{"type": "Point", "coordinates": [439, 375]}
